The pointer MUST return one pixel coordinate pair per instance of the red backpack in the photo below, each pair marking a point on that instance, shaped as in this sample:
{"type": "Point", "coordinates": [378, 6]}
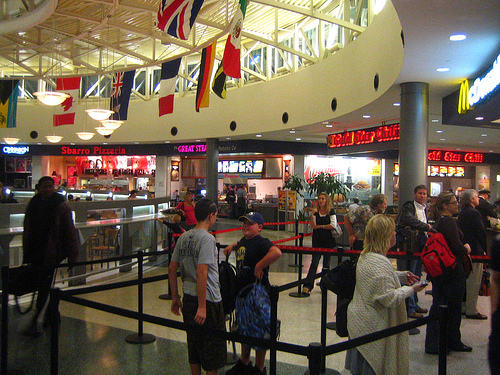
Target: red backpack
{"type": "Point", "coordinates": [437, 257]}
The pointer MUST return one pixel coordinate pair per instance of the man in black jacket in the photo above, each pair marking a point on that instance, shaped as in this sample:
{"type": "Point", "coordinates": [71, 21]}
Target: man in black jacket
{"type": "Point", "coordinates": [471, 224]}
{"type": "Point", "coordinates": [413, 216]}
{"type": "Point", "coordinates": [485, 208]}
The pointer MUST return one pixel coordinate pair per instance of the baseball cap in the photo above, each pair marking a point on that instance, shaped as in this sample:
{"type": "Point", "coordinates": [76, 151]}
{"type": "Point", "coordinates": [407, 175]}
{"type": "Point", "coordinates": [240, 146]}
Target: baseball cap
{"type": "Point", "coordinates": [253, 217]}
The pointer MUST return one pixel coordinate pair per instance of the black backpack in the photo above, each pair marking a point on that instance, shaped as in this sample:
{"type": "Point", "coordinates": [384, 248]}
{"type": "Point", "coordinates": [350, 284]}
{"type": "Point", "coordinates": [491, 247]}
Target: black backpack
{"type": "Point", "coordinates": [227, 280]}
{"type": "Point", "coordinates": [341, 280]}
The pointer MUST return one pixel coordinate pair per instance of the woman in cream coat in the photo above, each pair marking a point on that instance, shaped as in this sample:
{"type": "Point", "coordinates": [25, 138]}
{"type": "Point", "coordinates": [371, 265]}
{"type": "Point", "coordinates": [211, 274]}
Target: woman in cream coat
{"type": "Point", "coordinates": [379, 303]}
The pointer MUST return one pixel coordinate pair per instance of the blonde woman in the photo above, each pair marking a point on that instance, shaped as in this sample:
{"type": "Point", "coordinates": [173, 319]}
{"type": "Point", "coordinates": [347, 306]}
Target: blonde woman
{"type": "Point", "coordinates": [379, 303]}
{"type": "Point", "coordinates": [321, 218]}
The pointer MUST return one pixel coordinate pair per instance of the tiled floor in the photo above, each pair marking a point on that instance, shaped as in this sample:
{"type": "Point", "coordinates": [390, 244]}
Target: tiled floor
{"type": "Point", "coordinates": [93, 342]}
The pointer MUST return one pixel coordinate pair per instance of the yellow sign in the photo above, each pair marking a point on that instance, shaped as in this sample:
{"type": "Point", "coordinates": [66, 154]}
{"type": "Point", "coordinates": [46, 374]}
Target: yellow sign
{"type": "Point", "coordinates": [463, 98]}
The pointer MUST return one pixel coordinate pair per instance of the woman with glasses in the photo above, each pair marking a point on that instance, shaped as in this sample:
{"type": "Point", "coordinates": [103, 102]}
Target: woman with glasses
{"type": "Point", "coordinates": [449, 289]}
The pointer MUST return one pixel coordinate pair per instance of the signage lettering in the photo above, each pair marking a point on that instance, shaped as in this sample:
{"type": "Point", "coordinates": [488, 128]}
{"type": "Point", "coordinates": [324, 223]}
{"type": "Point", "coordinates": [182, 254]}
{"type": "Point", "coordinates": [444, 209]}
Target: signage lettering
{"type": "Point", "coordinates": [241, 166]}
{"type": "Point", "coordinates": [484, 86]}
{"type": "Point", "coordinates": [383, 133]}
{"type": "Point", "coordinates": [192, 148]}
{"type": "Point", "coordinates": [455, 156]}
{"type": "Point", "coordinates": [16, 150]}
{"type": "Point", "coordinates": [463, 99]}
{"type": "Point", "coordinates": [97, 150]}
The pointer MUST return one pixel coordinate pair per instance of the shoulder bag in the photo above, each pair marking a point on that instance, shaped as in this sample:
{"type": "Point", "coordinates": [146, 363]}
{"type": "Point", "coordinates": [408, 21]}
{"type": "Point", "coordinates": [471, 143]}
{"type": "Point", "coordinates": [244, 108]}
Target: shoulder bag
{"type": "Point", "coordinates": [337, 229]}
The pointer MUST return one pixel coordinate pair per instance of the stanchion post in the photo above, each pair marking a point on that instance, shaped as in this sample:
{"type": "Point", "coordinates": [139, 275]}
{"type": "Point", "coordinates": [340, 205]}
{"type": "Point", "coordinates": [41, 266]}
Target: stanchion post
{"type": "Point", "coordinates": [274, 328]}
{"type": "Point", "coordinates": [299, 293]}
{"type": "Point", "coordinates": [314, 358]}
{"type": "Point", "coordinates": [54, 330]}
{"type": "Point", "coordinates": [443, 314]}
{"type": "Point", "coordinates": [324, 312]}
{"type": "Point", "coordinates": [5, 318]}
{"type": "Point", "coordinates": [140, 337]}
{"type": "Point", "coordinates": [168, 295]}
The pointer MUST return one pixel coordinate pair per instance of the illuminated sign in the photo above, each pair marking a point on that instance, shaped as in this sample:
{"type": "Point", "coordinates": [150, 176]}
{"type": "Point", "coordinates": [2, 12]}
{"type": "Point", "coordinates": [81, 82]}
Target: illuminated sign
{"type": "Point", "coordinates": [241, 166]}
{"type": "Point", "coordinates": [383, 133]}
{"type": "Point", "coordinates": [463, 98]}
{"type": "Point", "coordinates": [439, 170]}
{"type": "Point", "coordinates": [192, 148]}
{"type": "Point", "coordinates": [96, 150]}
{"type": "Point", "coordinates": [484, 86]}
{"type": "Point", "coordinates": [18, 150]}
{"type": "Point", "coordinates": [455, 156]}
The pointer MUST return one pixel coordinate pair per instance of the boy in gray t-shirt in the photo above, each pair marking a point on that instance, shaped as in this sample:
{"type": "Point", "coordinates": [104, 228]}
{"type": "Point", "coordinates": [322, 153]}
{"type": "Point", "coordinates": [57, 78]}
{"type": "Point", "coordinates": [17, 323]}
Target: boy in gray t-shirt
{"type": "Point", "coordinates": [196, 255]}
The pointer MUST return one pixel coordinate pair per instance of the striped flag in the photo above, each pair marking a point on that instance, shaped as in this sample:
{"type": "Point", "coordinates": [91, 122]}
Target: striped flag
{"type": "Point", "coordinates": [206, 67]}
{"type": "Point", "coordinates": [169, 71]}
{"type": "Point", "coordinates": [231, 59]}
{"type": "Point", "coordinates": [65, 112]}
{"type": "Point", "coordinates": [9, 91]}
{"type": "Point", "coordinates": [178, 16]}
{"type": "Point", "coordinates": [120, 95]}
{"type": "Point", "coordinates": [219, 84]}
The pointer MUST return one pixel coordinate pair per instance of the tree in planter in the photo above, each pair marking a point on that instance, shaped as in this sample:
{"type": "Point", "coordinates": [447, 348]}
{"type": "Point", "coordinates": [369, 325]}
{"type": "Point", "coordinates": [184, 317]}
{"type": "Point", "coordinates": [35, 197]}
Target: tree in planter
{"type": "Point", "coordinates": [295, 183]}
{"type": "Point", "coordinates": [329, 184]}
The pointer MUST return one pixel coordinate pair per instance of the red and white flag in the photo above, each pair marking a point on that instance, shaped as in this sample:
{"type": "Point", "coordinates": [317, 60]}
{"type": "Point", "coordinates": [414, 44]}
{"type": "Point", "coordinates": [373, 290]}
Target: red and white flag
{"type": "Point", "coordinates": [231, 60]}
{"type": "Point", "coordinates": [65, 112]}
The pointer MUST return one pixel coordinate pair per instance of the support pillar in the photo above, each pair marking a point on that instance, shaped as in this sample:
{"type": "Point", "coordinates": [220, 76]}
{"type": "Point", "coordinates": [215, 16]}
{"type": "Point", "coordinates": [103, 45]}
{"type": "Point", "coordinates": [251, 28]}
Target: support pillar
{"type": "Point", "coordinates": [413, 141]}
{"type": "Point", "coordinates": [212, 170]}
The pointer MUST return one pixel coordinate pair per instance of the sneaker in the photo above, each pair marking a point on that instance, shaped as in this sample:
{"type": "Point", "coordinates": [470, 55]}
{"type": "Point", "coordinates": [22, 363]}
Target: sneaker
{"type": "Point", "coordinates": [241, 369]}
{"type": "Point", "coordinates": [256, 371]}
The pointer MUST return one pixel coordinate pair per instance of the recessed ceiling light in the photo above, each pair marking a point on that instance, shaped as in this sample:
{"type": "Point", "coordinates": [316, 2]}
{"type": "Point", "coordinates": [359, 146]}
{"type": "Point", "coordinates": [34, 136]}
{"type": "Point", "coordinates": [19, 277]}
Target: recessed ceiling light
{"type": "Point", "coordinates": [484, 135]}
{"type": "Point", "coordinates": [298, 139]}
{"type": "Point", "coordinates": [396, 104]}
{"type": "Point", "coordinates": [366, 116]}
{"type": "Point", "coordinates": [329, 125]}
{"type": "Point", "coordinates": [167, 141]}
{"type": "Point", "coordinates": [197, 140]}
{"type": "Point", "coordinates": [479, 118]}
{"type": "Point", "coordinates": [442, 69]}
{"type": "Point", "coordinates": [292, 131]}
{"type": "Point", "coordinates": [439, 131]}
{"type": "Point", "coordinates": [481, 142]}
{"type": "Point", "coordinates": [458, 37]}
{"type": "Point", "coordinates": [228, 138]}
{"type": "Point", "coordinates": [442, 139]}
{"type": "Point", "coordinates": [258, 135]}
{"type": "Point", "coordinates": [434, 120]}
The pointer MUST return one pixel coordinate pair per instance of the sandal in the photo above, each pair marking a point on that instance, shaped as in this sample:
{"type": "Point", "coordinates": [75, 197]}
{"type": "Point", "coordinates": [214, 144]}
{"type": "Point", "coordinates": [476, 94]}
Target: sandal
{"type": "Point", "coordinates": [306, 290]}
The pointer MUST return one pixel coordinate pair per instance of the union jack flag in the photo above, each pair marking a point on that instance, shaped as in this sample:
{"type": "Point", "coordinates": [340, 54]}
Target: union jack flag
{"type": "Point", "coordinates": [178, 16]}
{"type": "Point", "coordinates": [120, 95]}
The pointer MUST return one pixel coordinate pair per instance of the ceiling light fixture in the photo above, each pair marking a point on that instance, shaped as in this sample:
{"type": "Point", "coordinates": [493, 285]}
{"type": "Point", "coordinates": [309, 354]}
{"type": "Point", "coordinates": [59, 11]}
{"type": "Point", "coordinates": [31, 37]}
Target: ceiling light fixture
{"type": "Point", "coordinates": [85, 135]}
{"type": "Point", "coordinates": [54, 138]}
{"type": "Point", "coordinates": [397, 104]}
{"type": "Point", "coordinates": [442, 69]}
{"type": "Point", "coordinates": [458, 37]}
{"type": "Point", "coordinates": [112, 124]}
{"type": "Point", "coordinates": [479, 118]}
{"type": "Point", "coordinates": [51, 97]}
{"type": "Point", "coordinates": [366, 116]}
{"type": "Point", "coordinates": [99, 114]}
{"type": "Point", "coordinates": [104, 131]}
{"type": "Point", "coordinates": [11, 140]}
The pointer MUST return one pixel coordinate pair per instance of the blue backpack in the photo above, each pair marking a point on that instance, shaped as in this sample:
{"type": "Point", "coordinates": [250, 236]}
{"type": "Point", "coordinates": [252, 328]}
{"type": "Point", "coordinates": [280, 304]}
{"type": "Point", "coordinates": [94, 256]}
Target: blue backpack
{"type": "Point", "coordinates": [253, 311]}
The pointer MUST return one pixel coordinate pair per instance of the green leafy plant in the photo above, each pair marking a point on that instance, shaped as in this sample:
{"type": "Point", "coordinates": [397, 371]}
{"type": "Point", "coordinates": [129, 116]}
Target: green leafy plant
{"type": "Point", "coordinates": [295, 183]}
{"type": "Point", "coordinates": [326, 183]}
{"type": "Point", "coordinates": [302, 216]}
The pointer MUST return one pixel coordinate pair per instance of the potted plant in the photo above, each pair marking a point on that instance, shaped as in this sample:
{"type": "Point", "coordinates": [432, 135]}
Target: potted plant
{"type": "Point", "coordinates": [329, 184]}
{"type": "Point", "coordinates": [295, 183]}
{"type": "Point", "coordinates": [303, 216]}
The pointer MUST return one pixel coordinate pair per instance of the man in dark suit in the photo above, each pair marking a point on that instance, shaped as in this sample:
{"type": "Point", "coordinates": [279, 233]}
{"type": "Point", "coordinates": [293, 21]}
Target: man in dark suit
{"type": "Point", "coordinates": [486, 208]}
{"type": "Point", "coordinates": [471, 224]}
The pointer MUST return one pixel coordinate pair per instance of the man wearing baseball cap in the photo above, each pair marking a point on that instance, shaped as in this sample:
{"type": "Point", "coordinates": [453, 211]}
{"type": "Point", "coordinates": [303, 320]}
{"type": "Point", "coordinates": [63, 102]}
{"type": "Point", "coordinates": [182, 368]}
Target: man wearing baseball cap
{"type": "Point", "coordinates": [254, 254]}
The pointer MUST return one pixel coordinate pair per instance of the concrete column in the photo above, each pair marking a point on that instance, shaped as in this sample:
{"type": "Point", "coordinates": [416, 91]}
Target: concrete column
{"type": "Point", "coordinates": [413, 147]}
{"type": "Point", "coordinates": [212, 172]}
{"type": "Point", "coordinates": [161, 176]}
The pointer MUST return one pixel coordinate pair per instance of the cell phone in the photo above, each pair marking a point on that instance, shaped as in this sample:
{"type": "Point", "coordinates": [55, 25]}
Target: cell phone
{"type": "Point", "coordinates": [425, 282]}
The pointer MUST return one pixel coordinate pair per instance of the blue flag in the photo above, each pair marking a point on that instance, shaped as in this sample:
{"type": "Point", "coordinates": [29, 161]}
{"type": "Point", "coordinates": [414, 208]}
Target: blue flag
{"type": "Point", "coordinates": [120, 94]}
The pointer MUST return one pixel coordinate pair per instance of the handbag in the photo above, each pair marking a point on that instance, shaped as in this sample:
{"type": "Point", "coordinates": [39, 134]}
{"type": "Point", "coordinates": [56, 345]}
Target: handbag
{"type": "Point", "coordinates": [467, 264]}
{"type": "Point", "coordinates": [23, 280]}
{"type": "Point", "coordinates": [337, 229]}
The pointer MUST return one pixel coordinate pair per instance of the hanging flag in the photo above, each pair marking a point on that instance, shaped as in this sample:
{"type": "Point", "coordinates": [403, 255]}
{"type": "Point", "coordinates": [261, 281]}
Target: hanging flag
{"type": "Point", "coordinates": [219, 83]}
{"type": "Point", "coordinates": [120, 94]}
{"type": "Point", "coordinates": [231, 59]}
{"type": "Point", "coordinates": [65, 112]}
{"type": "Point", "coordinates": [178, 16]}
{"type": "Point", "coordinates": [206, 67]}
{"type": "Point", "coordinates": [169, 71]}
{"type": "Point", "coordinates": [9, 91]}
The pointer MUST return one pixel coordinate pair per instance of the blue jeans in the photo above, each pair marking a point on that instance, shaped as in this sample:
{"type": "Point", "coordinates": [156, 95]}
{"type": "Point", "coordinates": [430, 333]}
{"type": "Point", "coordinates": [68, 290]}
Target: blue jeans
{"type": "Point", "coordinates": [416, 269]}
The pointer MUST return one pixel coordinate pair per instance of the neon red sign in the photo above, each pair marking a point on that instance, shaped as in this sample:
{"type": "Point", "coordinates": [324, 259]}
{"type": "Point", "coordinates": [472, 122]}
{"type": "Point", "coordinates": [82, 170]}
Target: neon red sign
{"type": "Point", "coordinates": [96, 150]}
{"type": "Point", "coordinates": [383, 133]}
{"type": "Point", "coordinates": [455, 156]}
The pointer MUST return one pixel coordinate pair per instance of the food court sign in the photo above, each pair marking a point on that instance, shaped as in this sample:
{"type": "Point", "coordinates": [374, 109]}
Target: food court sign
{"type": "Point", "coordinates": [482, 87]}
{"type": "Point", "coordinates": [378, 134]}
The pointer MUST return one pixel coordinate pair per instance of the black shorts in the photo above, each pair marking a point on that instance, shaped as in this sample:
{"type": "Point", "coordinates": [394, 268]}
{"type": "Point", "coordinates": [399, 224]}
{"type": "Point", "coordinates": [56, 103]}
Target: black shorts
{"type": "Point", "coordinates": [205, 350]}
